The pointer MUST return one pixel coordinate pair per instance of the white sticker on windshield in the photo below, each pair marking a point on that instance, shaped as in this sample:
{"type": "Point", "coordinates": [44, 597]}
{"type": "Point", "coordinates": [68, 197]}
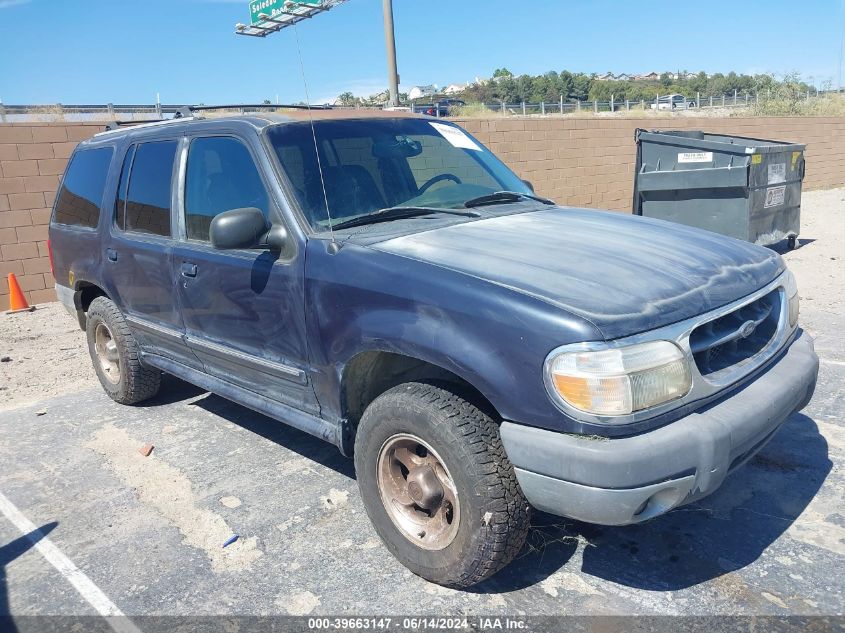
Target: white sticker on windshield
{"type": "Point", "coordinates": [455, 136]}
{"type": "Point", "coordinates": [777, 173]}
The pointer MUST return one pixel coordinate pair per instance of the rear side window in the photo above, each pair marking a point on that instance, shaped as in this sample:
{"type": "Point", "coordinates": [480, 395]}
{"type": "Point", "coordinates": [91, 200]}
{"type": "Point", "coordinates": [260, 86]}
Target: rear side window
{"type": "Point", "coordinates": [78, 202]}
{"type": "Point", "coordinates": [221, 176]}
{"type": "Point", "coordinates": [120, 204]}
{"type": "Point", "coordinates": [143, 204]}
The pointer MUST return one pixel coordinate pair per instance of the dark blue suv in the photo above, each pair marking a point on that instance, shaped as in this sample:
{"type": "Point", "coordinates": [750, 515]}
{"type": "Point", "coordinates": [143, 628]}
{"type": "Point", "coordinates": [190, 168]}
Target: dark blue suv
{"type": "Point", "coordinates": [384, 282]}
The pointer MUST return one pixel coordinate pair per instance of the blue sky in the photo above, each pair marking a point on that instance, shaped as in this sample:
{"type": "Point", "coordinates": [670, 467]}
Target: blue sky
{"type": "Point", "coordinates": [120, 51]}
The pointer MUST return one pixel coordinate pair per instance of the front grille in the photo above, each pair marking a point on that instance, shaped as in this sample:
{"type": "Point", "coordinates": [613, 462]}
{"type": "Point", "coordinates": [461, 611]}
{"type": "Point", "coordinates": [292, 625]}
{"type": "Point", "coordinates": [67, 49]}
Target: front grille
{"type": "Point", "coordinates": [735, 338]}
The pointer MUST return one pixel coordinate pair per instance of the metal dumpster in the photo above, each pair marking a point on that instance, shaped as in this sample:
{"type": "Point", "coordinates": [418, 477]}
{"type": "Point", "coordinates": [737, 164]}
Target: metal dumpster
{"type": "Point", "coordinates": [746, 188]}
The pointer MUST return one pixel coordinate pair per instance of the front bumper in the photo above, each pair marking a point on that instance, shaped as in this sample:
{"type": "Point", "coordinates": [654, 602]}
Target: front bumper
{"type": "Point", "coordinates": [628, 480]}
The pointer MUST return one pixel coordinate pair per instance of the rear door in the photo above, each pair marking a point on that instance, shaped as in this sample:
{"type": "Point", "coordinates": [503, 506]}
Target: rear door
{"type": "Point", "coordinates": [137, 258]}
{"type": "Point", "coordinates": [243, 309]}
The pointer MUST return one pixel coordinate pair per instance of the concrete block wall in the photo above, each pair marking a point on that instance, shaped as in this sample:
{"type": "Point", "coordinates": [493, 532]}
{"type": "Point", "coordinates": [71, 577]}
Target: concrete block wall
{"type": "Point", "coordinates": [32, 160]}
{"type": "Point", "coordinates": [589, 162]}
{"type": "Point", "coordinates": [576, 161]}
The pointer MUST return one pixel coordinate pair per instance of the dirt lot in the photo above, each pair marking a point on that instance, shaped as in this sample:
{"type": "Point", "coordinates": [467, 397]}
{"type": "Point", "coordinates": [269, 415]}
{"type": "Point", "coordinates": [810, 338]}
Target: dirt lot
{"type": "Point", "coordinates": [149, 531]}
{"type": "Point", "coordinates": [44, 354]}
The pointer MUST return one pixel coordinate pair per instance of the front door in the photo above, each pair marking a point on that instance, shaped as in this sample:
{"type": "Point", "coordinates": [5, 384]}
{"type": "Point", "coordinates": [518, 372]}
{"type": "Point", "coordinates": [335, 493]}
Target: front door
{"type": "Point", "coordinates": [243, 309]}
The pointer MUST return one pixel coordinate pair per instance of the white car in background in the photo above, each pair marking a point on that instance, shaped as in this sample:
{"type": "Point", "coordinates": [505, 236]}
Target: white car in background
{"type": "Point", "coordinates": [673, 102]}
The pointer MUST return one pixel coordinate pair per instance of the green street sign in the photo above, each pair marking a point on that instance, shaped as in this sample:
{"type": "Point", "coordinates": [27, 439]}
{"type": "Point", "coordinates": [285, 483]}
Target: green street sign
{"type": "Point", "coordinates": [273, 8]}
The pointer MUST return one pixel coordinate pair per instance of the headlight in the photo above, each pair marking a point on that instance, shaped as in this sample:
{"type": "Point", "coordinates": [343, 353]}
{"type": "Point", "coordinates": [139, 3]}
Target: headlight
{"type": "Point", "coordinates": [790, 286]}
{"type": "Point", "coordinates": [618, 381]}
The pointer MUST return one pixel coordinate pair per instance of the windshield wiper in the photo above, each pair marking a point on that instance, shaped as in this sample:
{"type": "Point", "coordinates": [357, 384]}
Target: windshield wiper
{"type": "Point", "coordinates": [503, 197]}
{"type": "Point", "coordinates": [399, 213]}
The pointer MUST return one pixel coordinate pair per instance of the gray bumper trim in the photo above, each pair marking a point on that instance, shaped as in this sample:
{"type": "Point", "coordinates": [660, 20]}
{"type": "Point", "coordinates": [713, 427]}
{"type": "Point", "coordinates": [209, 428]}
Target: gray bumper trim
{"type": "Point", "coordinates": [608, 481]}
{"type": "Point", "coordinates": [65, 295]}
{"type": "Point", "coordinates": [603, 505]}
{"type": "Point", "coordinates": [68, 298]}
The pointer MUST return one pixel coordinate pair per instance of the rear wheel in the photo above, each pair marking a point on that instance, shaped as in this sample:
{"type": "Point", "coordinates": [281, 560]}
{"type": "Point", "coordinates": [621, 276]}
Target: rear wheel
{"type": "Point", "coordinates": [115, 355]}
{"type": "Point", "coordinates": [438, 486]}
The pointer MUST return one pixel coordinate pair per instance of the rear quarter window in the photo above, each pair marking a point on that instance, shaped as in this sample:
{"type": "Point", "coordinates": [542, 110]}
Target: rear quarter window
{"type": "Point", "coordinates": [79, 199]}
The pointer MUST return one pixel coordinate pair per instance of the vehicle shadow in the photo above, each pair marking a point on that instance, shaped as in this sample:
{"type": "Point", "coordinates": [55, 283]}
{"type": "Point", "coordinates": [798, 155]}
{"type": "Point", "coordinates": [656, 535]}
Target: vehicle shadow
{"type": "Point", "coordinates": [8, 553]}
{"type": "Point", "coordinates": [280, 433]}
{"type": "Point", "coordinates": [173, 390]}
{"type": "Point", "coordinates": [717, 535]}
{"type": "Point", "coordinates": [552, 541]}
{"type": "Point", "coordinates": [782, 246]}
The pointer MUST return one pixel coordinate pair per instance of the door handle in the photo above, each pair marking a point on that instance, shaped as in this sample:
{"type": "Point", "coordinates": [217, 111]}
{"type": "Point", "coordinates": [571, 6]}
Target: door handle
{"type": "Point", "coordinates": [111, 254]}
{"type": "Point", "coordinates": [189, 269]}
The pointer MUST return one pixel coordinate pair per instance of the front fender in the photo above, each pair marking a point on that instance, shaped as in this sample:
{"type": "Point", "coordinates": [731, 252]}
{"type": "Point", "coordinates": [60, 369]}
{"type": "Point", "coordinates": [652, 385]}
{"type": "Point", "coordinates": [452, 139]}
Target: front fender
{"type": "Point", "coordinates": [494, 338]}
{"type": "Point", "coordinates": [433, 336]}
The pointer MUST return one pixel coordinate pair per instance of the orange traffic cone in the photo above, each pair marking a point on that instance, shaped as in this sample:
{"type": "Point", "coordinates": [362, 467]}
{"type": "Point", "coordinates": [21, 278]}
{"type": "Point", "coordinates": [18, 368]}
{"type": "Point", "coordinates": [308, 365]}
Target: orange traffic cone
{"type": "Point", "coordinates": [17, 300]}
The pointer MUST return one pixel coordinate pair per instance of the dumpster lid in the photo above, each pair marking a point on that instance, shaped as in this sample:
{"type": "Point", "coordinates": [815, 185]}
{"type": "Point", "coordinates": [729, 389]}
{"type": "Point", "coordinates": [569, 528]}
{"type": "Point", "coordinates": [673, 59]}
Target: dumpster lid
{"type": "Point", "coordinates": [717, 142]}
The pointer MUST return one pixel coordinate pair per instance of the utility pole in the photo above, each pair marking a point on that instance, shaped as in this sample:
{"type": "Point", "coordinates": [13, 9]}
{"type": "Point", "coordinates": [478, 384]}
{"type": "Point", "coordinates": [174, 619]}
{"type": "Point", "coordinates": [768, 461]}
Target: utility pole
{"type": "Point", "coordinates": [390, 42]}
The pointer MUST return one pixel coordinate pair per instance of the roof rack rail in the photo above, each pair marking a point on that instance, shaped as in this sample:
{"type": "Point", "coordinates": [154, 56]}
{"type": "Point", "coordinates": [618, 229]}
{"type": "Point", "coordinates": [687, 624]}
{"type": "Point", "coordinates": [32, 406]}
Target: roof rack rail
{"type": "Point", "coordinates": [114, 125]}
{"type": "Point", "coordinates": [189, 112]}
{"type": "Point", "coordinates": [257, 106]}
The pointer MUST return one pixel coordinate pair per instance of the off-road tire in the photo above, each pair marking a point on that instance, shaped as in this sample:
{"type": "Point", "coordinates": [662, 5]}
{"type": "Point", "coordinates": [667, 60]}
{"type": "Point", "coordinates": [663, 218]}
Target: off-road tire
{"type": "Point", "coordinates": [494, 515]}
{"type": "Point", "coordinates": [136, 383]}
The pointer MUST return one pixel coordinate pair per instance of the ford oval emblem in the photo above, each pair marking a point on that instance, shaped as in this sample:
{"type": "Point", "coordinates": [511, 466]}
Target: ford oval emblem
{"type": "Point", "coordinates": [747, 329]}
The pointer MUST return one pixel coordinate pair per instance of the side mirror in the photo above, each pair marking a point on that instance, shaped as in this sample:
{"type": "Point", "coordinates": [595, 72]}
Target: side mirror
{"type": "Point", "coordinates": [276, 238]}
{"type": "Point", "coordinates": [238, 228]}
{"type": "Point", "coordinates": [529, 185]}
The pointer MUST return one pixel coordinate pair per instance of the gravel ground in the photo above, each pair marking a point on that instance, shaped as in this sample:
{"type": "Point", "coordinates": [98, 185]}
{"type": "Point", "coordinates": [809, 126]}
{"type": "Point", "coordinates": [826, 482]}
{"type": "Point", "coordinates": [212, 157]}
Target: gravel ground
{"type": "Point", "coordinates": [59, 363]}
{"type": "Point", "coordinates": [818, 263]}
{"type": "Point", "coordinates": [47, 355]}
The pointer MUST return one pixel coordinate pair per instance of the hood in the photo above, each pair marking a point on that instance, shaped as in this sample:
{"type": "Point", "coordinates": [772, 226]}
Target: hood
{"type": "Point", "coordinates": [625, 274]}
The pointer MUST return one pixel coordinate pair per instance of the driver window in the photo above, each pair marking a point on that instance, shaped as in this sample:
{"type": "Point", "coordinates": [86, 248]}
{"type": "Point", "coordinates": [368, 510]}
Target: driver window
{"type": "Point", "coordinates": [439, 156]}
{"type": "Point", "coordinates": [221, 176]}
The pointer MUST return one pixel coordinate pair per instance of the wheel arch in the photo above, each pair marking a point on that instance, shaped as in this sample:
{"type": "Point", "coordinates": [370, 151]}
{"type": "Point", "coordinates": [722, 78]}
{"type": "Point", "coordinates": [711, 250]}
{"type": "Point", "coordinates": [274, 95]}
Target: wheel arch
{"type": "Point", "coordinates": [84, 293]}
{"type": "Point", "coordinates": [88, 291]}
{"type": "Point", "coordinates": [370, 373]}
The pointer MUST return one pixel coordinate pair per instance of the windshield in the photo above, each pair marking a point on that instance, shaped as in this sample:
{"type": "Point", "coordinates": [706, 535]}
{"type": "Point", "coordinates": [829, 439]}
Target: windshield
{"type": "Point", "coordinates": [374, 164]}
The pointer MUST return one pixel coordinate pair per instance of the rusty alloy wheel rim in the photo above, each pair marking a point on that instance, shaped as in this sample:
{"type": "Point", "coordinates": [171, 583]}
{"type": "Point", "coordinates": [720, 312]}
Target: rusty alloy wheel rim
{"type": "Point", "coordinates": [418, 492]}
{"type": "Point", "coordinates": [107, 354]}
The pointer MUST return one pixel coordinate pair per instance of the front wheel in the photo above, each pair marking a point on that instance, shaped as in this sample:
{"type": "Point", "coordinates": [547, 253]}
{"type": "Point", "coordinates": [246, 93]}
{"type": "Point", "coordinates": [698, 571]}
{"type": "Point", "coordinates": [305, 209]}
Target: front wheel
{"type": "Point", "coordinates": [438, 486]}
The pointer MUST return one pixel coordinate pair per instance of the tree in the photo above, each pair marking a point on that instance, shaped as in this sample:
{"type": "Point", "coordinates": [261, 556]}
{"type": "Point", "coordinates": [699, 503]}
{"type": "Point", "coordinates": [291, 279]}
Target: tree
{"type": "Point", "coordinates": [698, 83]}
{"type": "Point", "coordinates": [580, 86]}
{"type": "Point", "coordinates": [347, 99]}
{"type": "Point", "coordinates": [549, 87]}
{"type": "Point", "coordinates": [565, 83]}
{"type": "Point", "coordinates": [508, 89]}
